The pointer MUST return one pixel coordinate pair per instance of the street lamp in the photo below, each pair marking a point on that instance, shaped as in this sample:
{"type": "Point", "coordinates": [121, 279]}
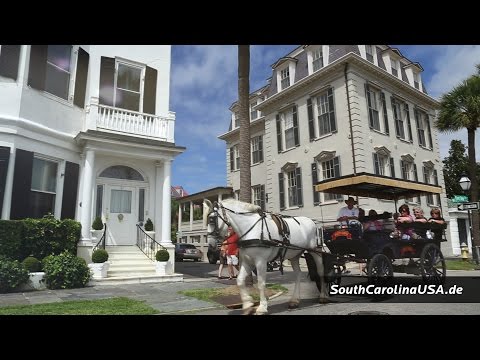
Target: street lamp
{"type": "Point", "coordinates": [465, 184]}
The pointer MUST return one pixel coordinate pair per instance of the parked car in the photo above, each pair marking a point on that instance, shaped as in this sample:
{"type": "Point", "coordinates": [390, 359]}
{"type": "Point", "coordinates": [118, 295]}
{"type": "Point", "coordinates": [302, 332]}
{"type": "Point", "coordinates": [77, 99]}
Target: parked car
{"type": "Point", "coordinates": [187, 251]}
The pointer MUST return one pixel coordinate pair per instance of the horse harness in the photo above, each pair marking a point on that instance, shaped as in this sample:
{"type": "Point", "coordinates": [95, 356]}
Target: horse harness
{"type": "Point", "coordinates": [283, 229]}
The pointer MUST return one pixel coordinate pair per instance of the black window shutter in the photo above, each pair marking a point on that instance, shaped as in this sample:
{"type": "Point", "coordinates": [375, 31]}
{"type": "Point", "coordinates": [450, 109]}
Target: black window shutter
{"type": "Point", "coordinates": [417, 124]}
{"type": "Point", "coordinates": [22, 185]}
{"type": "Point", "coordinates": [410, 137]}
{"type": "Point", "coordinates": [415, 174]}
{"type": "Point", "coordinates": [37, 67]}
{"type": "Point", "coordinates": [311, 128]}
{"type": "Point", "coordinates": [81, 78]}
{"type": "Point", "coordinates": [298, 173]}
{"type": "Point", "coordinates": [331, 108]}
{"type": "Point", "coordinates": [260, 148]}
{"type": "Point", "coordinates": [392, 168]}
{"type": "Point", "coordinates": [369, 105]}
{"type": "Point", "coordinates": [295, 126]}
{"type": "Point", "coordinates": [150, 91]}
{"type": "Point", "coordinates": [281, 191]}
{"type": "Point", "coordinates": [395, 116]}
{"type": "Point", "coordinates": [279, 134]}
{"type": "Point", "coordinates": [70, 185]}
{"type": "Point", "coordinates": [385, 114]}
{"type": "Point", "coordinates": [231, 159]}
{"type": "Point", "coordinates": [376, 164]}
{"type": "Point", "coordinates": [435, 177]}
{"type": "Point", "coordinates": [4, 159]}
{"type": "Point", "coordinates": [107, 80]}
{"type": "Point", "coordinates": [316, 194]}
{"type": "Point", "coordinates": [262, 197]}
{"type": "Point", "coordinates": [430, 142]}
{"type": "Point", "coordinates": [9, 58]}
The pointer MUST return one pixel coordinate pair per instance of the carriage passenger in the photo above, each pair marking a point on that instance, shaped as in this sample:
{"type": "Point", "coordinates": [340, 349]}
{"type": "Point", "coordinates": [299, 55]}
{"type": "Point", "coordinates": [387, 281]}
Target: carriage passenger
{"type": "Point", "coordinates": [373, 223]}
{"type": "Point", "coordinates": [418, 214]}
{"type": "Point", "coordinates": [348, 213]}
{"type": "Point", "coordinates": [402, 217]}
{"type": "Point", "coordinates": [435, 216]}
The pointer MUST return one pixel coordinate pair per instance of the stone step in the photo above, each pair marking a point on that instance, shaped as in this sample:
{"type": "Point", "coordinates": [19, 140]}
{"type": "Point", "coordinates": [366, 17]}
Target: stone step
{"type": "Point", "coordinates": [137, 268]}
{"type": "Point", "coordinates": [136, 279]}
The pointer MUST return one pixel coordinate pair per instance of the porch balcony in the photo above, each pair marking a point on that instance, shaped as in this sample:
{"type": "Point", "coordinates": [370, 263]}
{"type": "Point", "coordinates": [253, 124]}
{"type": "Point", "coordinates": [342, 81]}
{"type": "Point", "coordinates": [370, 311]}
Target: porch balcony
{"type": "Point", "coordinates": [116, 120]}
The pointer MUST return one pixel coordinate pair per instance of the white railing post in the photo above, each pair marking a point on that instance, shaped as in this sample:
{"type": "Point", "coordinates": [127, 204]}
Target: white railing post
{"type": "Point", "coordinates": [91, 114]}
{"type": "Point", "coordinates": [170, 127]}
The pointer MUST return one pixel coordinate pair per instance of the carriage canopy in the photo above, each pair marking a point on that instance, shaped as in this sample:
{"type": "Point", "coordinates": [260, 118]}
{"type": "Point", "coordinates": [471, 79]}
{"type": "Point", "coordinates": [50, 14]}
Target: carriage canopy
{"type": "Point", "coordinates": [376, 186]}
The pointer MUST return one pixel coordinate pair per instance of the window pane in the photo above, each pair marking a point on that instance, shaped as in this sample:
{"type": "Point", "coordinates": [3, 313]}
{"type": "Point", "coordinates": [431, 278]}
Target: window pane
{"type": "Point", "coordinates": [121, 201]}
{"type": "Point", "coordinates": [57, 81]}
{"type": "Point", "coordinates": [99, 202]}
{"type": "Point", "coordinates": [121, 172]}
{"type": "Point", "coordinates": [128, 78]}
{"type": "Point", "coordinates": [127, 100]}
{"type": "Point", "coordinates": [41, 204]}
{"type": "Point", "coordinates": [141, 204]}
{"type": "Point", "coordinates": [44, 175]}
{"type": "Point", "coordinates": [59, 55]}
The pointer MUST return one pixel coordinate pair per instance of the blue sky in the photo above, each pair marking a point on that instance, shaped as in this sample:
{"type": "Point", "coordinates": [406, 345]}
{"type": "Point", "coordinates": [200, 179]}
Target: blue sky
{"type": "Point", "coordinates": [204, 85]}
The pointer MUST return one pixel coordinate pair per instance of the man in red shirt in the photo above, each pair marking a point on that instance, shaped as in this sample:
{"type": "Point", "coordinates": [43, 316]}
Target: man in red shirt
{"type": "Point", "coordinates": [232, 251]}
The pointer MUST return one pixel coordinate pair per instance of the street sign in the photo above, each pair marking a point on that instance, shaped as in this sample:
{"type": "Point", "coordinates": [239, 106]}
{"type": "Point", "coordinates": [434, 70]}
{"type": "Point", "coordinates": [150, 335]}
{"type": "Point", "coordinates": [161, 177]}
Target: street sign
{"type": "Point", "coordinates": [468, 206]}
{"type": "Point", "coordinates": [460, 198]}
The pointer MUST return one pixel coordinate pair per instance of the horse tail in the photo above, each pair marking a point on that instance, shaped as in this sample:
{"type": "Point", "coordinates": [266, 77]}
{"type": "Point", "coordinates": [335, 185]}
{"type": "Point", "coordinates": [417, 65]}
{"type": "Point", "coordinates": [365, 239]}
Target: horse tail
{"type": "Point", "coordinates": [312, 268]}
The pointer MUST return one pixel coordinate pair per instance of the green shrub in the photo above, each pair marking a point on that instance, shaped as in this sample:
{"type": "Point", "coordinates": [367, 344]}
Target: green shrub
{"type": "Point", "coordinates": [100, 256]}
{"type": "Point", "coordinates": [11, 236]}
{"type": "Point", "coordinates": [97, 224]}
{"type": "Point", "coordinates": [32, 264]}
{"type": "Point", "coordinates": [12, 274]}
{"type": "Point", "coordinates": [162, 255]}
{"type": "Point", "coordinates": [149, 225]}
{"type": "Point", "coordinates": [65, 271]}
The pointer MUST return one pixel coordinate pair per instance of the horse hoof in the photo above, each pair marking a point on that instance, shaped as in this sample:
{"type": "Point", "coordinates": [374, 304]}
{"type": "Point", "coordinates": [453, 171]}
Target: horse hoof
{"type": "Point", "coordinates": [249, 311]}
{"type": "Point", "coordinates": [292, 306]}
{"type": "Point", "coordinates": [324, 301]}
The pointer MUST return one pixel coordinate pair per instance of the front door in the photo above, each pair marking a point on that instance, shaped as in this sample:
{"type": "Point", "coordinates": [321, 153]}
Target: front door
{"type": "Point", "coordinates": [121, 209]}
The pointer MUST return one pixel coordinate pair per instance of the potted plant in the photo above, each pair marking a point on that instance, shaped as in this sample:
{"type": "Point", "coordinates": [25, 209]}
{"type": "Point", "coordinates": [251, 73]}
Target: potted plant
{"type": "Point", "coordinates": [97, 229]}
{"type": "Point", "coordinates": [99, 265]}
{"type": "Point", "coordinates": [162, 256]}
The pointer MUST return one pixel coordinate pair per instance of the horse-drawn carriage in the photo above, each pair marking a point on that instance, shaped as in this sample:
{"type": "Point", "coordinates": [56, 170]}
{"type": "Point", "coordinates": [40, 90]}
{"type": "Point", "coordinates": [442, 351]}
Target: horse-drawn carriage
{"type": "Point", "coordinates": [378, 249]}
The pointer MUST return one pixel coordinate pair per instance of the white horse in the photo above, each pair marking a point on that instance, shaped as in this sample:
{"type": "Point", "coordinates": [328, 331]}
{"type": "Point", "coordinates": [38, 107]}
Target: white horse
{"type": "Point", "coordinates": [261, 241]}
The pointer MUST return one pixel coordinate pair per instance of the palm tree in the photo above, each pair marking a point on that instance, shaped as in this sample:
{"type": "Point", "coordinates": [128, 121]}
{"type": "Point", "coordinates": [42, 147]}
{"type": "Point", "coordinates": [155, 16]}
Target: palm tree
{"type": "Point", "coordinates": [244, 116]}
{"type": "Point", "coordinates": [460, 108]}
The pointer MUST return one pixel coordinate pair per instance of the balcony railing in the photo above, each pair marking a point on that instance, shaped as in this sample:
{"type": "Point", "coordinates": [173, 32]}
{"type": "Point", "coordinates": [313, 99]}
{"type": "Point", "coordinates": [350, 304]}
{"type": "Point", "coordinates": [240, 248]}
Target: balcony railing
{"type": "Point", "coordinates": [112, 119]}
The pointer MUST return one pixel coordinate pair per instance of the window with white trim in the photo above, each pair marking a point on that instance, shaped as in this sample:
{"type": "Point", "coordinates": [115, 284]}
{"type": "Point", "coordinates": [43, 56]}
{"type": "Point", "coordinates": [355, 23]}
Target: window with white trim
{"type": "Point", "coordinates": [290, 184]}
{"type": "Point", "coordinates": [257, 149]}
{"type": "Point", "coordinates": [408, 170]}
{"type": "Point", "coordinates": [423, 128]}
{"type": "Point", "coordinates": [258, 195]}
{"type": "Point", "coordinates": [43, 187]}
{"type": "Point", "coordinates": [317, 59]}
{"type": "Point", "coordinates": [253, 113]}
{"type": "Point", "coordinates": [369, 52]}
{"type": "Point", "coordinates": [287, 129]}
{"type": "Point", "coordinates": [129, 86]}
{"type": "Point", "coordinates": [430, 177]}
{"type": "Point", "coordinates": [401, 117]}
{"type": "Point", "coordinates": [234, 158]}
{"type": "Point", "coordinates": [236, 121]}
{"type": "Point", "coordinates": [330, 169]}
{"type": "Point", "coordinates": [416, 80]}
{"type": "Point", "coordinates": [285, 78]}
{"type": "Point", "coordinates": [394, 67]}
{"type": "Point", "coordinates": [383, 164]}
{"type": "Point", "coordinates": [326, 113]}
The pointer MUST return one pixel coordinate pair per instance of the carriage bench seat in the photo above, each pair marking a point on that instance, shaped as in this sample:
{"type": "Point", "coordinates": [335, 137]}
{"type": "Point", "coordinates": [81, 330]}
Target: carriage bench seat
{"type": "Point", "coordinates": [422, 228]}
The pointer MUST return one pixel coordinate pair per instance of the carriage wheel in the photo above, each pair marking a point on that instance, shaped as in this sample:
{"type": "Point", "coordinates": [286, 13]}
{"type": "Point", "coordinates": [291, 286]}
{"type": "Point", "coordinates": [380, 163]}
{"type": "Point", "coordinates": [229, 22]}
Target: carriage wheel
{"type": "Point", "coordinates": [380, 270]}
{"type": "Point", "coordinates": [432, 264]}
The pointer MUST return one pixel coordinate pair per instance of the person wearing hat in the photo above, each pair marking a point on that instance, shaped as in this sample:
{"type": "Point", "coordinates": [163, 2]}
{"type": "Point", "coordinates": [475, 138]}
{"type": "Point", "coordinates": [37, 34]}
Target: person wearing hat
{"type": "Point", "coordinates": [348, 212]}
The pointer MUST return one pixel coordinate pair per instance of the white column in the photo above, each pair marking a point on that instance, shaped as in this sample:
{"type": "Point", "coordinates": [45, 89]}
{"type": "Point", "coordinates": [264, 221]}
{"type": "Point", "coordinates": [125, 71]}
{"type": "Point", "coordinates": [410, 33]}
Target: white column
{"type": "Point", "coordinates": [179, 218]}
{"type": "Point", "coordinates": [158, 200]}
{"type": "Point", "coordinates": [7, 196]}
{"type": "Point", "coordinates": [167, 203]}
{"type": "Point", "coordinates": [191, 215]}
{"type": "Point", "coordinates": [219, 197]}
{"type": "Point", "coordinates": [88, 172]}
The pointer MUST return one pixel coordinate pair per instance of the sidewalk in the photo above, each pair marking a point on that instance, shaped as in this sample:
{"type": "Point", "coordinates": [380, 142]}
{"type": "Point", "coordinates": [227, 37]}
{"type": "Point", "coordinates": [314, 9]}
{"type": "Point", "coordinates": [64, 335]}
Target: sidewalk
{"type": "Point", "coordinates": [165, 297]}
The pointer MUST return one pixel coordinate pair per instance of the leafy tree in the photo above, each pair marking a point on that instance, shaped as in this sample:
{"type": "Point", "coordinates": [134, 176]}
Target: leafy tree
{"type": "Point", "coordinates": [454, 165]}
{"type": "Point", "coordinates": [244, 116]}
{"type": "Point", "coordinates": [460, 109]}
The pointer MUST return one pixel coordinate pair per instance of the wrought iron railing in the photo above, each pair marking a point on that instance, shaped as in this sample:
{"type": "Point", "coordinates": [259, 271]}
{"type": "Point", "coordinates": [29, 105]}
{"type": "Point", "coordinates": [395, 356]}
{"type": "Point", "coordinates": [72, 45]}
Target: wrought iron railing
{"type": "Point", "coordinates": [147, 244]}
{"type": "Point", "coordinates": [101, 242]}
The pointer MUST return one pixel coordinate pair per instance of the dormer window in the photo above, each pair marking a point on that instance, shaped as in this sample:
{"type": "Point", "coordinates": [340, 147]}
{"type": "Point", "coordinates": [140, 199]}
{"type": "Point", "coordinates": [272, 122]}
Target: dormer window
{"type": "Point", "coordinates": [317, 59]}
{"type": "Point", "coordinates": [394, 67]}
{"type": "Point", "coordinates": [285, 78]}
{"type": "Point", "coordinates": [369, 51]}
{"type": "Point", "coordinates": [416, 80]}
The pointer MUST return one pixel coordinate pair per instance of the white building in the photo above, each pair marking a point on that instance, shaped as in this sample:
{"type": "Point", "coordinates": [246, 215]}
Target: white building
{"type": "Point", "coordinates": [86, 131]}
{"type": "Point", "coordinates": [333, 110]}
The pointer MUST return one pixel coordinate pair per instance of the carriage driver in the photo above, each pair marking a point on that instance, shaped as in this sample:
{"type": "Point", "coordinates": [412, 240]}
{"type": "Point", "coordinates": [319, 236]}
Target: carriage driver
{"type": "Point", "coordinates": [348, 212]}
